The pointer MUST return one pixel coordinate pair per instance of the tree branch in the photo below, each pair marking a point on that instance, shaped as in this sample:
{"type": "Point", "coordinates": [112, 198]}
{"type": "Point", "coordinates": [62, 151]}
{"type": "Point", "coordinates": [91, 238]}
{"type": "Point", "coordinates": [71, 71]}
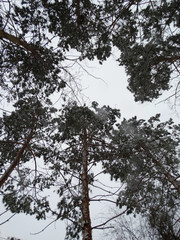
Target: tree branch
{"type": "Point", "coordinates": [102, 224]}
{"type": "Point", "coordinates": [7, 220]}
{"type": "Point", "coordinates": [8, 172]}
{"type": "Point", "coordinates": [17, 41]}
{"type": "Point", "coordinates": [131, 2]}
{"type": "Point", "coordinates": [170, 59]}
{"type": "Point", "coordinates": [173, 180]}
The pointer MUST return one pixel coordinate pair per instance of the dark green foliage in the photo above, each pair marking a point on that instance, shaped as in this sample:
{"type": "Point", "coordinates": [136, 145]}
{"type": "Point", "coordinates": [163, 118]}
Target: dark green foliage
{"type": "Point", "coordinates": [139, 143]}
{"type": "Point", "coordinates": [162, 219]}
{"type": "Point", "coordinates": [67, 163]}
{"type": "Point", "coordinates": [149, 42]}
{"type": "Point", "coordinates": [142, 154]}
{"type": "Point", "coordinates": [57, 146]}
{"type": "Point", "coordinates": [29, 116]}
{"type": "Point", "coordinates": [43, 32]}
{"type": "Point", "coordinates": [148, 159]}
{"type": "Point", "coordinates": [35, 37]}
{"type": "Point", "coordinates": [146, 34]}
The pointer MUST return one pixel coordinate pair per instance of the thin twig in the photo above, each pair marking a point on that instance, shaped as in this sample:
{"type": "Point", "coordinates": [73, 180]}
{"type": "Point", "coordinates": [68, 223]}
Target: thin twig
{"type": "Point", "coordinates": [102, 224]}
{"type": "Point", "coordinates": [44, 227]}
{"type": "Point", "coordinates": [8, 219]}
{"type": "Point", "coordinates": [3, 212]}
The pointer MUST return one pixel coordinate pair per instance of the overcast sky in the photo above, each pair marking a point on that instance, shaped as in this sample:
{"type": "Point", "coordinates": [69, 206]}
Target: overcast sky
{"type": "Point", "coordinates": [109, 89]}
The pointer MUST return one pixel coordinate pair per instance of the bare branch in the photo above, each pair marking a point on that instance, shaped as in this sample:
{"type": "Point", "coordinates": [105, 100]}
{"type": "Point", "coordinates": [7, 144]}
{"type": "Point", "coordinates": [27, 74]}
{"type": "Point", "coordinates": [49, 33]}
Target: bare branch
{"type": "Point", "coordinates": [44, 227]}
{"type": "Point", "coordinates": [102, 200]}
{"type": "Point", "coordinates": [102, 224]}
{"type": "Point", "coordinates": [8, 219]}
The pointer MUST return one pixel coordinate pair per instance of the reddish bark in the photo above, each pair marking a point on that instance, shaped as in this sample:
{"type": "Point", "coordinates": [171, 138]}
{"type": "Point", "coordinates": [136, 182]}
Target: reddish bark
{"type": "Point", "coordinates": [86, 221]}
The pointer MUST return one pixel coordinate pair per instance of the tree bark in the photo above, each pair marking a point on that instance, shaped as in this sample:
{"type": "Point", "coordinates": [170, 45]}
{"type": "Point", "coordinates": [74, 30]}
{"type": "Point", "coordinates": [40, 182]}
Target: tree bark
{"type": "Point", "coordinates": [12, 166]}
{"type": "Point", "coordinates": [17, 41]}
{"type": "Point", "coordinates": [86, 221]}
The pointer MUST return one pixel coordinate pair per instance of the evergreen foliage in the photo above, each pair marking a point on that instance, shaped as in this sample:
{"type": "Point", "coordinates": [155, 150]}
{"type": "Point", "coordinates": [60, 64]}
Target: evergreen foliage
{"type": "Point", "coordinates": [42, 149]}
{"type": "Point", "coordinates": [149, 165]}
{"type": "Point", "coordinates": [148, 38]}
{"type": "Point", "coordinates": [37, 35]}
{"type": "Point", "coordinates": [142, 154]}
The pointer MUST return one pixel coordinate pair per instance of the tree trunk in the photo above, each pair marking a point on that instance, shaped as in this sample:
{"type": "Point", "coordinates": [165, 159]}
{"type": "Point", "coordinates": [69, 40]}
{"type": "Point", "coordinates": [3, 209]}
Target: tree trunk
{"type": "Point", "coordinates": [86, 221]}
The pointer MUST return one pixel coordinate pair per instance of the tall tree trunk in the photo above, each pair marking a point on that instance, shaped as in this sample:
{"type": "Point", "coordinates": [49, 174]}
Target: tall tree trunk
{"type": "Point", "coordinates": [86, 221]}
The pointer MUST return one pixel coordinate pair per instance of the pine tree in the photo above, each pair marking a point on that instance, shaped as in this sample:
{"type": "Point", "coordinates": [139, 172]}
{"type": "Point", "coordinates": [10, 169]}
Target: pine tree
{"type": "Point", "coordinates": [149, 167]}
{"type": "Point", "coordinates": [142, 155]}
{"type": "Point", "coordinates": [35, 38]}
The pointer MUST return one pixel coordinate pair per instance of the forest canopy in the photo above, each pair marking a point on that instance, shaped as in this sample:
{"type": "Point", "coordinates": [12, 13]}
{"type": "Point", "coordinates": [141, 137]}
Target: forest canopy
{"type": "Point", "coordinates": [46, 149]}
{"type": "Point", "coordinates": [36, 36]}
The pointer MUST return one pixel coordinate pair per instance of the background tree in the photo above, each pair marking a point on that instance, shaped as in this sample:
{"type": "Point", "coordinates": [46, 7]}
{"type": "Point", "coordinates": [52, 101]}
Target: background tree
{"type": "Point", "coordinates": [149, 166]}
{"type": "Point", "coordinates": [132, 228]}
{"type": "Point", "coordinates": [140, 227]}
